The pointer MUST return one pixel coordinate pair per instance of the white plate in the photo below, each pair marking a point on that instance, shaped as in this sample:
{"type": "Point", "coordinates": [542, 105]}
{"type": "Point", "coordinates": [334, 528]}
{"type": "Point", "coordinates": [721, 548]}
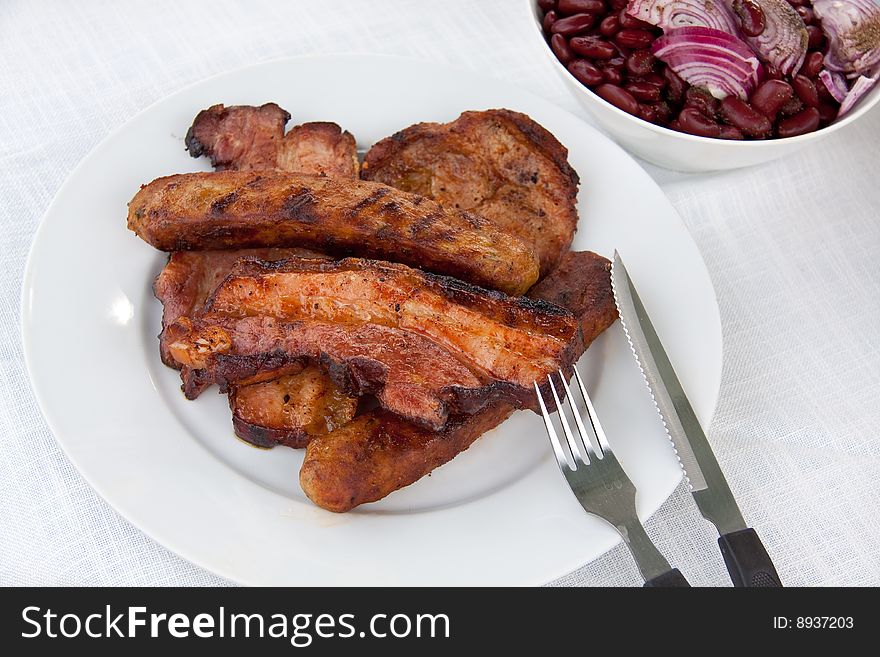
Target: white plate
{"type": "Point", "coordinates": [498, 514]}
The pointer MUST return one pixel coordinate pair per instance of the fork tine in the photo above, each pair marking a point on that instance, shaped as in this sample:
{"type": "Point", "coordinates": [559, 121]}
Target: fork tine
{"type": "Point", "coordinates": [577, 453]}
{"type": "Point", "coordinates": [594, 418]}
{"type": "Point", "coordinates": [561, 457]}
{"type": "Point", "coordinates": [584, 445]}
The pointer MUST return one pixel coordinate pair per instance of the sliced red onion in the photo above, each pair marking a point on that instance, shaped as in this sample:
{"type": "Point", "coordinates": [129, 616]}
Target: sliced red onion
{"type": "Point", "coordinates": [853, 31]}
{"type": "Point", "coordinates": [835, 83]}
{"type": "Point", "coordinates": [858, 91]}
{"type": "Point", "coordinates": [783, 43]}
{"type": "Point", "coordinates": [667, 14]}
{"type": "Point", "coordinates": [709, 58]}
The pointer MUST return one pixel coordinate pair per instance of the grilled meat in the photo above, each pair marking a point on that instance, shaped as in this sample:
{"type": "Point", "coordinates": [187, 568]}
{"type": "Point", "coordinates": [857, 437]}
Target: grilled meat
{"type": "Point", "coordinates": [579, 284]}
{"type": "Point", "coordinates": [378, 453]}
{"type": "Point", "coordinates": [361, 359]}
{"type": "Point", "coordinates": [498, 164]}
{"type": "Point", "coordinates": [238, 209]}
{"type": "Point", "coordinates": [302, 401]}
{"type": "Point", "coordinates": [290, 409]}
{"type": "Point", "coordinates": [306, 402]}
{"type": "Point", "coordinates": [189, 277]}
{"type": "Point", "coordinates": [246, 138]}
{"type": "Point", "coordinates": [320, 147]}
{"type": "Point", "coordinates": [485, 162]}
{"type": "Point", "coordinates": [366, 319]}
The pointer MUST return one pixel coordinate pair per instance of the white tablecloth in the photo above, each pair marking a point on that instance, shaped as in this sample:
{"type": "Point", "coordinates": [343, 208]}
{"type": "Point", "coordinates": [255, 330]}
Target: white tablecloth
{"type": "Point", "coordinates": [793, 248]}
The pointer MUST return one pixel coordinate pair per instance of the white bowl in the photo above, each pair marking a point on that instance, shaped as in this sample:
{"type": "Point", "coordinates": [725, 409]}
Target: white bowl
{"type": "Point", "coordinates": [678, 150]}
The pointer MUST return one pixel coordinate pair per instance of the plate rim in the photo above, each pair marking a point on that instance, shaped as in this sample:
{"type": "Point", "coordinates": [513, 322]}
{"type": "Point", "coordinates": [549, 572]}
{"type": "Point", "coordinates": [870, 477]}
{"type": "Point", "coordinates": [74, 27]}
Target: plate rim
{"type": "Point", "coordinates": [27, 281]}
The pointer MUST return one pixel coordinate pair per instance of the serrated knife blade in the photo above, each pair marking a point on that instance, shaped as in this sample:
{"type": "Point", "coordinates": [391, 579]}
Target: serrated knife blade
{"type": "Point", "coordinates": [746, 559]}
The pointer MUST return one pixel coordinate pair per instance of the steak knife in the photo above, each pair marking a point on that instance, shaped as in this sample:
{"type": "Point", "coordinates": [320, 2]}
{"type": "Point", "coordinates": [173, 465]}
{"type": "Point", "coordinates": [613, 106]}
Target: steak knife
{"type": "Point", "coordinates": [744, 555]}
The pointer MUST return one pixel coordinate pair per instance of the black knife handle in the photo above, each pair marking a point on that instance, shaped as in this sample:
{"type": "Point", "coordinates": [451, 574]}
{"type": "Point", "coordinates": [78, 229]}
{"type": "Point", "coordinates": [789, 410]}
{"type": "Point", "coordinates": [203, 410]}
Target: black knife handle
{"type": "Point", "coordinates": [747, 561]}
{"type": "Point", "coordinates": [671, 578]}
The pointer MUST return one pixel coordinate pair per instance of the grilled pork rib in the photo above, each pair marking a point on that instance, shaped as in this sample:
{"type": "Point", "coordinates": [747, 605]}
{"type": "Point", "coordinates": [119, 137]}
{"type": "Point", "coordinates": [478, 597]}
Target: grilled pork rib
{"type": "Point", "coordinates": [247, 138]}
{"type": "Point", "coordinates": [498, 164]}
{"type": "Point", "coordinates": [238, 209]}
{"type": "Point", "coordinates": [378, 453]}
{"type": "Point", "coordinates": [426, 345]}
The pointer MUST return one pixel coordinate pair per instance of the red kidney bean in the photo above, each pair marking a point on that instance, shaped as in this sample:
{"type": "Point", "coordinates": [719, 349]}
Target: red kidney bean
{"type": "Point", "coordinates": [772, 73]}
{"type": "Point", "coordinates": [613, 75]}
{"type": "Point", "coordinates": [797, 3]}
{"type": "Point", "coordinates": [618, 97]}
{"type": "Point", "coordinates": [560, 48]}
{"type": "Point", "coordinates": [581, 7]}
{"type": "Point", "coordinates": [617, 5]}
{"type": "Point", "coordinates": [741, 115]}
{"type": "Point", "coordinates": [649, 114]}
{"type": "Point", "coordinates": [791, 107]}
{"type": "Point", "coordinates": [695, 122]}
{"type": "Point", "coordinates": [813, 64]}
{"type": "Point", "coordinates": [586, 72]}
{"type": "Point", "coordinates": [806, 90]}
{"type": "Point", "coordinates": [592, 47]}
{"type": "Point", "coordinates": [730, 132]}
{"type": "Point", "coordinates": [702, 101]}
{"type": "Point", "coordinates": [770, 96]}
{"type": "Point", "coordinates": [658, 113]}
{"type": "Point", "coordinates": [677, 86]}
{"type": "Point", "coordinates": [549, 20]}
{"type": "Point", "coordinates": [641, 62]}
{"type": "Point", "coordinates": [547, 5]}
{"type": "Point", "coordinates": [609, 26]}
{"type": "Point", "coordinates": [816, 37]}
{"type": "Point", "coordinates": [651, 78]}
{"type": "Point", "coordinates": [751, 17]}
{"type": "Point", "coordinates": [643, 91]}
{"type": "Point", "coordinates": [675, 125]}
{"type": "Point", "coordinates": [634, 38]}
{"type": "Point", "coordinates": [827, 112]}
{"type": "Point", "coordinates": [572, 25]}
{"type": "Point", "coordinates": [631, 22]}
{"type": "Point", "coordinates": [806, 13]}
{"type": "Point", "coordinates": [800, 124]}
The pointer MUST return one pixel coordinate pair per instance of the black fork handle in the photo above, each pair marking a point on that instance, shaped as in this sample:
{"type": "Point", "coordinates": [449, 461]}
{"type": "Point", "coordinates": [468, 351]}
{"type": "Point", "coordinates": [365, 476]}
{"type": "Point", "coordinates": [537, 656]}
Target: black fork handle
{"type": "Point", "coordinates": [670, 579]}
{"type": "Point", "coordinates": [747, 560]}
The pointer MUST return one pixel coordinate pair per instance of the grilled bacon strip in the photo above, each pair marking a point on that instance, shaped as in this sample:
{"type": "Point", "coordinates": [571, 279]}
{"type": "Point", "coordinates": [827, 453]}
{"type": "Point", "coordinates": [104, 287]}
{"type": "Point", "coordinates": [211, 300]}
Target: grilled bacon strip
{"type": "Point", "coordinates": [426, 345]}
{"type": "Point", "coordinates": [238, 209]}
{"type": "Point", "coordinates": [301, 402]}
{"type": "Point", "coordinates": [378, 453]}
{"type": "Point", "coordinates": [409, 374]}
{"type": "Point", "coordinates": [248, 138]}
{"type": "Point", "coordinates": [506, 338]}
{"type": "Point", "coordinates": [496, 163]}
{"type": "Point", "coordinates": [189, 277]}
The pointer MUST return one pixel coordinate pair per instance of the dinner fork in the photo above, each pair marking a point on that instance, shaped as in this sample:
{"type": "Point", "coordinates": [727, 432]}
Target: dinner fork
{"type": "Point", "coordinates": [599, 482]}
